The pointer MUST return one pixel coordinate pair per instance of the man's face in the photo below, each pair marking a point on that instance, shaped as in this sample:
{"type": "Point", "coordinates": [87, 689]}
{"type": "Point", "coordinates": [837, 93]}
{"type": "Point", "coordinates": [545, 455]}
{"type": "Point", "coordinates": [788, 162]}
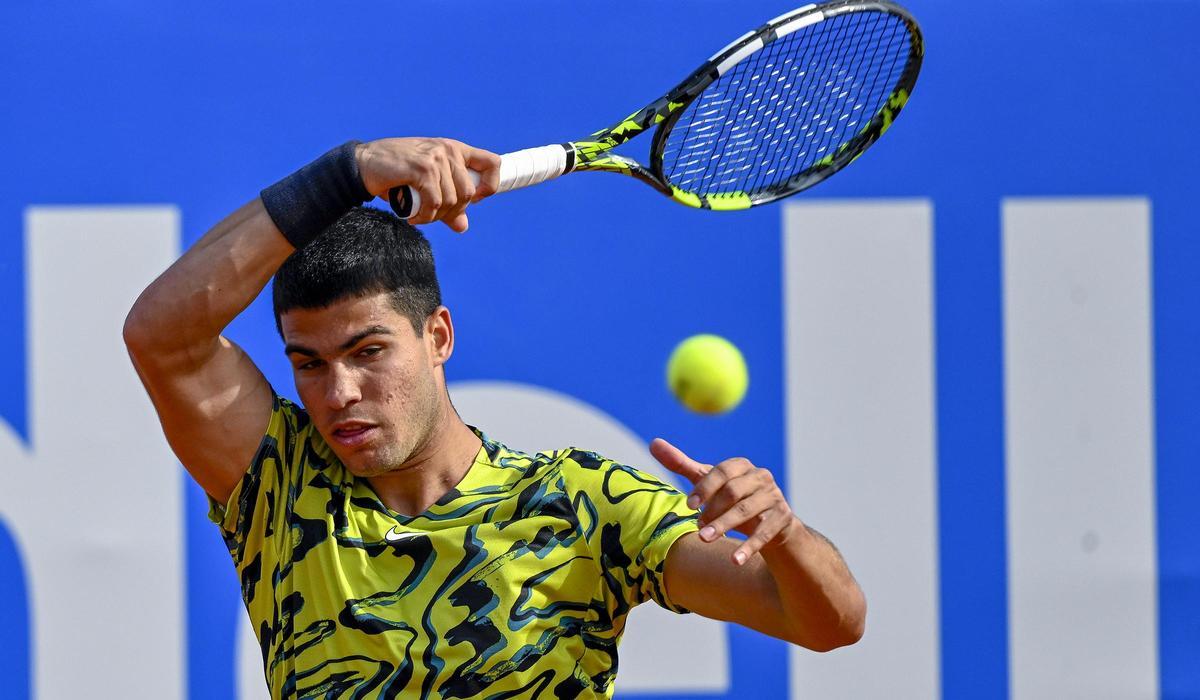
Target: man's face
{"type": "Point", "coordinates": [371, 385]}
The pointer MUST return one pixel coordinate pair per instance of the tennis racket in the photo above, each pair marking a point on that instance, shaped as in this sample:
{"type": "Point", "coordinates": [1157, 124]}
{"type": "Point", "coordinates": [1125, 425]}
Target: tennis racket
{"type": "Point", "coordinates": [777, 111]}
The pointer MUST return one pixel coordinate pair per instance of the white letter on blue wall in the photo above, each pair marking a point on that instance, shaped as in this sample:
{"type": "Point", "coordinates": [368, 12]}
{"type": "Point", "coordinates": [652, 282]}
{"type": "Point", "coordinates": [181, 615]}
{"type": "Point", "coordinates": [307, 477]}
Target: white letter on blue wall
{"type": "Point", "coordinates": [93, 501]}
{"type": "Point", "coordinates": [1080, 453]}
{"type": "Point", "coordinates": [861, 440]}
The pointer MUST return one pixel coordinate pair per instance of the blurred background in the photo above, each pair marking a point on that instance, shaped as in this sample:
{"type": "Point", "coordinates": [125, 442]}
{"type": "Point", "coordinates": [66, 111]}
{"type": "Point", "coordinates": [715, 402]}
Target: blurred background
{"type": "Point", "coordinates": [972, 354]}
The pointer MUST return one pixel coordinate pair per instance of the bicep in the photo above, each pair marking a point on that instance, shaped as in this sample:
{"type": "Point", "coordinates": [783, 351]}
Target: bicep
{"type": "Point", "coordinates": [702, 577]}
{"type": "Point", "coordinates": [214, 413]}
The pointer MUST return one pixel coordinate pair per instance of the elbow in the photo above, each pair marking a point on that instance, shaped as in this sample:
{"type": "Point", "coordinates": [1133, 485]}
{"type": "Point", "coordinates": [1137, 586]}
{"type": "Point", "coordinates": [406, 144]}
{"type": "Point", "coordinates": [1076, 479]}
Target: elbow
{"type": "Point", "coordinates": [852, 622]}
{"type": "Point", "coordinates": [834, 639]}
{"type": "Point", "coordinates": [847, 629]}
{"type": "Point", "coordinates": [136, 333]}
{"type": "Point", "coordinates": [158, 344]}
{"type": "Point", "coordinates": [144, 339]}
{"type": "Point", "coordinates": [855, 622]}
{"type": "Point", "coordinates": [852, 629]}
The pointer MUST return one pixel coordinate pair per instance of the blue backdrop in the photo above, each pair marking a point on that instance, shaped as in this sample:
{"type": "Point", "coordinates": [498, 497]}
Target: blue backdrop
{"type": "Point", "coordinates": [584, 285]}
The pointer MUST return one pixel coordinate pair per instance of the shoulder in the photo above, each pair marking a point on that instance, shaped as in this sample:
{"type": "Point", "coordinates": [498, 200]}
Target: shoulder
{"type": "Point", "coordinates": [292, 416]}
{"type": "Point", "coordinates": [603, 477]}
{"type": "Point", "coordinates": [580, 470]}
{"type": "Point", "coordinates": [576, 467]}
{"type": "Point", "coordinates": [292, 434]}
{"type": "Point", "coordinates": [587, 465]}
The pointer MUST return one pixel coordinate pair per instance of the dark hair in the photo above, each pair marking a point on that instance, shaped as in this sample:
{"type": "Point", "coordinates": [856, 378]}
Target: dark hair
{"type": "Point", "coordinates": [367, 251]}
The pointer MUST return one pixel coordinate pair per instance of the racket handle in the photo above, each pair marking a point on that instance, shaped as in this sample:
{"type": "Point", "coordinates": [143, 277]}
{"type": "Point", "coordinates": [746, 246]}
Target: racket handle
{"type": "Point", "coordinates": [518, 169]}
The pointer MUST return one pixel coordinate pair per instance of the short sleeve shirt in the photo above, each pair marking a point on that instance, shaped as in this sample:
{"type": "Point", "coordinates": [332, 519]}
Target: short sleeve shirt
{"type": "Point", "coordinates": [516, 583]}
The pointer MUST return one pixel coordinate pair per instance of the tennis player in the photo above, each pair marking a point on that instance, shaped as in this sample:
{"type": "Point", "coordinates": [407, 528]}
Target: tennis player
{"type": "Point", "coordinates": [385, 548]}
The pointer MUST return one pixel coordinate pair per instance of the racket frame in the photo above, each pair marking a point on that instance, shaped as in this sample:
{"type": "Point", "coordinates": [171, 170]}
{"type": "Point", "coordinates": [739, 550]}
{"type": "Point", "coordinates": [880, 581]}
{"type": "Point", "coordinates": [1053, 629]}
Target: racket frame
{"type": "Point", "coordinates": [534, 165]}
{"type": "Point", "coordinates": [594, 153]}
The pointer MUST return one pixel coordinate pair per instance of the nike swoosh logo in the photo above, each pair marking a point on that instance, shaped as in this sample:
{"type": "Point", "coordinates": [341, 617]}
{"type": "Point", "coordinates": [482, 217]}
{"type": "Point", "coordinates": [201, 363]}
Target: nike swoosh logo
{"type": "Point", "coordinates": [394, 537]}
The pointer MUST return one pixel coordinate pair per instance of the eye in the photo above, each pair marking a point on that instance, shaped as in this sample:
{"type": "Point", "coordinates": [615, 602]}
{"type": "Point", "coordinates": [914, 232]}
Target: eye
{"type": "Point", "coordinates": [309, 365]}
{"type": "Point", "coordinates": [370, 351]}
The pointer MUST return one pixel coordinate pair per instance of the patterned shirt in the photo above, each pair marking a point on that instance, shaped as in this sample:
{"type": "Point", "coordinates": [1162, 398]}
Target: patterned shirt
{"type": "Point", "coordinates": [515, 584]}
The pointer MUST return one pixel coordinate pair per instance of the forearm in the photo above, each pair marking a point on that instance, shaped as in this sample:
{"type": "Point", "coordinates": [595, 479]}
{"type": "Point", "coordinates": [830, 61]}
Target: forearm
{"type": "Point", "coordinates": [822, 603]}
{"type": "Point", "coordinates": [180, 316]}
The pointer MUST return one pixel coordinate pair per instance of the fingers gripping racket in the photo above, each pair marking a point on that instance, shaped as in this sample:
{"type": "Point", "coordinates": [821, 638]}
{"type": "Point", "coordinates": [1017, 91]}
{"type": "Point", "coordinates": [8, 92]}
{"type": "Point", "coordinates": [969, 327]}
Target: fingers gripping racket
{"type": "Point", "coordinates": [777, 111]}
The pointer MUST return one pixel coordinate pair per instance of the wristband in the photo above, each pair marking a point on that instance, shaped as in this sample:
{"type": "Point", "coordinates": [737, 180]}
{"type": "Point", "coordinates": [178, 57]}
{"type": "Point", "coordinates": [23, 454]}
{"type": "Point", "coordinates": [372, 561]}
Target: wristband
{"type": "Point", "coordinates": [310, 200]}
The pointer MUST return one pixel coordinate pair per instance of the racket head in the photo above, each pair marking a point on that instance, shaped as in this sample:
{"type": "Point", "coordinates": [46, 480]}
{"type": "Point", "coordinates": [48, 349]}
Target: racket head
{"type": "Point", "coordinates": [785, 106]}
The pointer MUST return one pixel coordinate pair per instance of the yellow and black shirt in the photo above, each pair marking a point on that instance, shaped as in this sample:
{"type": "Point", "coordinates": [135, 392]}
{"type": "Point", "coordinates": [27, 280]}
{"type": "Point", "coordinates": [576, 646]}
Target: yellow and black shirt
{"type": "Point", "coordinates": [515, 584]}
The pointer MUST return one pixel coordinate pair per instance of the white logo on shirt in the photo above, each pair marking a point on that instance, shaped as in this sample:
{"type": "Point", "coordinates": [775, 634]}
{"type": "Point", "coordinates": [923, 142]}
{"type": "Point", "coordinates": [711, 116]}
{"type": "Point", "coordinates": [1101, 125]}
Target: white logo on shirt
{"type": "Point", "coordinates": [393, 536]}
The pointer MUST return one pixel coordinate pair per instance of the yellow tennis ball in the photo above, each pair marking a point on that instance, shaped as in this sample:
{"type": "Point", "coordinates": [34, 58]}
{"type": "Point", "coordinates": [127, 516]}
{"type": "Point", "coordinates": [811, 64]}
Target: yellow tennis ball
{"type": "Point", "coordinates": [708, 374]}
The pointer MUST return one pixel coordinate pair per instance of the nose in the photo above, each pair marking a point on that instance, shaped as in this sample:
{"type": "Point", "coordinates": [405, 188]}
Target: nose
{"type": "Point", "coordinates": [342, 390]}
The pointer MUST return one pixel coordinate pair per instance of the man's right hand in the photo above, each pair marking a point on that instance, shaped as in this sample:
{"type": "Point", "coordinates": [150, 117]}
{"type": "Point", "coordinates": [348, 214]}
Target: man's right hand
{"type": "Point", "coordinates": [438, 169]}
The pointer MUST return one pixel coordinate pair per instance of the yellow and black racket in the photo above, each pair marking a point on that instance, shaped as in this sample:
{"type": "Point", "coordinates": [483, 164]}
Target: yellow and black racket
{"type": "Point", "coordinates": [775, 112]}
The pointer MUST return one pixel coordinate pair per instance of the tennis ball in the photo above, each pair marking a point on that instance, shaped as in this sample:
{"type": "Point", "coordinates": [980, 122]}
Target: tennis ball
{"type": "Point", "coordinates": [707, 374]}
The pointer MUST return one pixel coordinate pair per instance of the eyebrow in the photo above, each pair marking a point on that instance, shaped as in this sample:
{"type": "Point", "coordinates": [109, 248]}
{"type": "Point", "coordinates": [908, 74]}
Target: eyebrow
{"type": "Point", "coordinates": [350, 342]}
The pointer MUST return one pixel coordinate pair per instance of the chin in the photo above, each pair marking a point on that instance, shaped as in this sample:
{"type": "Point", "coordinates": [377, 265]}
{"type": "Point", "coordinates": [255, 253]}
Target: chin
{"type": "Point", "coordinates": [368, 463]}
{"type": "Point", "coordinates": [358, 466]}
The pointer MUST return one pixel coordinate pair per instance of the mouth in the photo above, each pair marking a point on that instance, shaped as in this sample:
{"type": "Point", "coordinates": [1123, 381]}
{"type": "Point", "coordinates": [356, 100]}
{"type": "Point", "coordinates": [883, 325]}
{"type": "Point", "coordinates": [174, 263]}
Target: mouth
{"type": "Point", "coordinates": [352, 433]}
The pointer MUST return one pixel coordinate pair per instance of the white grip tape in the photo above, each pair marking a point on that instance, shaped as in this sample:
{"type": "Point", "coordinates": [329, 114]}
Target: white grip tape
{"type": "Point", "coordinates": [531, 166]}
{"type": "Point", "coordinates": [518, 169]}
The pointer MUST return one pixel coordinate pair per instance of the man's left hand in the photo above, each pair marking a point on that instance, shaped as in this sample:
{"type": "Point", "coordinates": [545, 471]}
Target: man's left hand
{"type": "Point", "coordinates": [733, 495]}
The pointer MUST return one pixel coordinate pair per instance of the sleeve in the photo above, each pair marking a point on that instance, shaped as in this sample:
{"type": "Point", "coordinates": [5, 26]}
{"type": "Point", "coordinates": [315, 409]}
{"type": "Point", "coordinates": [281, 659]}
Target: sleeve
{"type": "Point", "coordinates": [254, 510]}
{"type": "Point", "coordinates": [636, 519]}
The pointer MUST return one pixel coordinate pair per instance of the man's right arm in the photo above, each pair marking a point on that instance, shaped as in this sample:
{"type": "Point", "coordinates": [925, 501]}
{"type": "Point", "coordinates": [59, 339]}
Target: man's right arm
{"type": "Point", "coordinates": [213, 402]}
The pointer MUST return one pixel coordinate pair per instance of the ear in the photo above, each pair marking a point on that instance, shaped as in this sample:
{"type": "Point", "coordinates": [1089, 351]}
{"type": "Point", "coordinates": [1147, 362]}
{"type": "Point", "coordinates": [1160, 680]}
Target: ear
{"type": "Point", "coordinates": [439, 335]}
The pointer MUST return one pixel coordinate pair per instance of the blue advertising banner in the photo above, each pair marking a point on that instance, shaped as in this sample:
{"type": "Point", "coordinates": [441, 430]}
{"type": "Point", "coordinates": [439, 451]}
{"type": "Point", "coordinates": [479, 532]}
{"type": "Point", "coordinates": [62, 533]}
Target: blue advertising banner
{"type": "Point", "coordinates": [972, 353]}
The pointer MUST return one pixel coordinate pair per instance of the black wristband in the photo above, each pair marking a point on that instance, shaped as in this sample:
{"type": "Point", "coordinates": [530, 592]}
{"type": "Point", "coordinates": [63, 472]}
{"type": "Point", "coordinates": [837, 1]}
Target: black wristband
{"type": "Point", "coordinates": [310, 200]}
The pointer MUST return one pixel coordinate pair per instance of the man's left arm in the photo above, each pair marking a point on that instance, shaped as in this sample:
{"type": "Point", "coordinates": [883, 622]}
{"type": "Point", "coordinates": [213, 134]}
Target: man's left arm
{"type": "Point", "coordinates": [786, 580]}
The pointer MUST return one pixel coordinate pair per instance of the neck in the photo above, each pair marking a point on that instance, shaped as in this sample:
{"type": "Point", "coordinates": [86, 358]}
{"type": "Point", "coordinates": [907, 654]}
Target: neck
{"type": "Point", "coordinates": [436, 467]}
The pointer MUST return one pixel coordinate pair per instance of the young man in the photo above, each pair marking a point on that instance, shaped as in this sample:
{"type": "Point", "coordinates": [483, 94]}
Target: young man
{"type": "Point", "coordinates": [385, 548]}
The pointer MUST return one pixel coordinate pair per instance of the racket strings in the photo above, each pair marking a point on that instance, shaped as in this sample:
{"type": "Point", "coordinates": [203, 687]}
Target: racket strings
{"type": "Point", "coordinates": [789, 106]}
{"type": "Point", "coordinates": [870, 58]}
{"type": "Point", "coordinates": [807, 137]}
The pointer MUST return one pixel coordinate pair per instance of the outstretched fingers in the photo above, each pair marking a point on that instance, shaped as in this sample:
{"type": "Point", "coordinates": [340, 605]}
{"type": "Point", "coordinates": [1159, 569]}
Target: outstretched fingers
{"type": "Point", "coordinates": [733, 495]}
{"type": "Point", "coordinates": [736, 495]}
{"type": "Point", "coordinates": [674, 459]}
{"type": "Point", "coordinates": [772, 523]}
